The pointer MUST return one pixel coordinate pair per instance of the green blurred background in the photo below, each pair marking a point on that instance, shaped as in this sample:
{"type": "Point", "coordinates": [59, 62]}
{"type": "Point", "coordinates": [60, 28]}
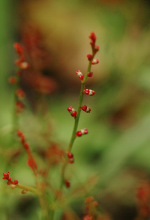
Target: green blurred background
{"type": "Point", "coordinates": [116, 150]}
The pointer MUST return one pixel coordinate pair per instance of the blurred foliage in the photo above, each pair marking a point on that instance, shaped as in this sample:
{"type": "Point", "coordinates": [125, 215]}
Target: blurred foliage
{"type": "Point", "coordinates": [116, 151]}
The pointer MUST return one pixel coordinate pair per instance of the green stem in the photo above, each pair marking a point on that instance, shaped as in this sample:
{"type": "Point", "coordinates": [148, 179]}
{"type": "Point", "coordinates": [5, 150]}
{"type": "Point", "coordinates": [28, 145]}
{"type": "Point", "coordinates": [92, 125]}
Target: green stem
{"type": "Point", "coordinates": [29, 188]}
{"type": "Point", "coordinates": [41, 198]}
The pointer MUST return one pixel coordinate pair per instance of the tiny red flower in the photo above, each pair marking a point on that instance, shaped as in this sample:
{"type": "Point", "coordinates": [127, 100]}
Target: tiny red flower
{"type": "Point", "coordinates": [72, 111]}
{"type": "Point", "coordinates": [97, 48]}
{"type": "Point", "coordinates": [15, 182]}
{"type": "Point", "coordinates": [81, 132]}
{"type": "Point", "coordinates": [18, 48]}
{"type": "Point", "coordinates": [93, 38]}
{"type": "Point", "coordinates": [70, 155]}
{"type": "Point", "coordinates": [67, 183]}
{"type": "Point", "coordinates": [89, 92]}
{"type": "Point", "coordinates": [70, 108]}
{"type": "Point", "coordinates": [85, 108]}
{"type": "Point", "coordinates": [12, 80]}
{"type": "Point", "coordinates": [31, 162]}
{"type": "Point", "coordinates": [20, 93]}
{"type": "Point", "coordinates": [90, 57]}
{"type": "Point", "coordinates": [80, 74]}
{"type": "Point", "coordinates": [90, 74]}
{"type": "Point", "coordinates": [95, 61]}
{"type": "Point", "coordinates": [19, 106]}
{"type": "Point", "coordinates": [8, 178]}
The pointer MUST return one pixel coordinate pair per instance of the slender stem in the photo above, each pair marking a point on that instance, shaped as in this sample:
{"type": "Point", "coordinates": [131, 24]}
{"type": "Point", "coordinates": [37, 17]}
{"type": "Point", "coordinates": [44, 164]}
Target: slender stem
{"type": "Point", "coordinates": [15, 116]}
{"type": "Point", "coordinates": [29, 188]}
{"type": "Point", "coordinates": [44, 206]}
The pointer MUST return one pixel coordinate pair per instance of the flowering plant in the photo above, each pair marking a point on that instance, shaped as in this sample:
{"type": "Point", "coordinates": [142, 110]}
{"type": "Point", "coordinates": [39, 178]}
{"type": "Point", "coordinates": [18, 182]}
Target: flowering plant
{"type": "Point", "coordinates": [43, 187]}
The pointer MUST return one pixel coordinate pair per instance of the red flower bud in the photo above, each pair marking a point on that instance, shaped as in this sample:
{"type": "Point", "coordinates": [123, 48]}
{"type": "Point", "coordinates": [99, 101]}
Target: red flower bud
{"type": "Point", "coordinates": [95, 61]}
{"type": "Point", "coordinates": [19, 106]}
{"type": "Point", "coordinates": [15, 182]}
{"type": "Point", "coordinates": [18, 48]}
{"type": "Point", "coordinates": [20, 93]}
{"type": "Point", "coordinates": [72, 111]}
{"type": "Point", "coordinates": [67, 183]}
{"type": "Point", "coordinates": [92, 36]}
{"type": "Point", "coordinates": [70, 108]}
{"type": "Point", "coordinates": [8, 178]}
{"type": "Point", "coordinates": [12, 80]}
{"type": "Point", "coordinates": [79, 73]}
{"type": "Point", "coordinates": [74, 114]}
{"type": "Point", "coordinates": [90, 57]}
{"type": "Point", "coordinates": [86, 109]}
{"type": "Point", "coordinates": [71, 160]}
{"type": "Point", "coordinates": [90, 74]}
{"type": "Point", "coordinates": [89, 92]}
{"type": "Point", "coordinates": [70, 155]}
{"type": "Point", "coordinates": [96, 48]}
{"type": "Point", "coordinates": [81, 132]}
{"type": "Point", "coordinates": [26, 146]}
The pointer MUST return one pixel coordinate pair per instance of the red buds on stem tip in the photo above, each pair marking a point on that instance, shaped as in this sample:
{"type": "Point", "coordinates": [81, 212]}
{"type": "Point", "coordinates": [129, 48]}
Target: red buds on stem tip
{"type": "Point", "coordinates": [8, 178]}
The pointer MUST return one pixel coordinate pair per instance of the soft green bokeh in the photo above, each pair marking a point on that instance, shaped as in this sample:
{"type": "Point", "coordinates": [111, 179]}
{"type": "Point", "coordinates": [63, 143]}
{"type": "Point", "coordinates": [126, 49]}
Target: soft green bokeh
{"type": "Point", "coordinates": [116, 150]}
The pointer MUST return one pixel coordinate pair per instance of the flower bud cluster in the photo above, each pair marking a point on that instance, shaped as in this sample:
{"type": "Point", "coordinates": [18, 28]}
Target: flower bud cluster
{"type": "Point", "coordinates": [9, 180]}
{"type": "Point", "coordinates": [86, 109]}
{"type": "Point", "coordinates": [81, 132]}
{"type": "Point", "coordinates": [72, 111]}
{"type": "Point", "coordinates": [21, 61]}
{"type": "Point", "coordinates": [70, 157]}
{"type": "Point", "coordinates": [95, 61]}
{"type": "Point", "coordinates": [95, 49]}
{"type": "Point", "coordinates": [20, 93]}
{"type": "Point", "coordinates": [80, 74]}
{"type": "Point", "coordinates": [20, 106]}
{"type": "Point", "coordinates": [22, 64]}
{"type": "Point", "coordinates": [89, 92]}
{"type": "Point", "coordinates": [31, 162]}
{"type": "Point", "coordinates": [90, 205]}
